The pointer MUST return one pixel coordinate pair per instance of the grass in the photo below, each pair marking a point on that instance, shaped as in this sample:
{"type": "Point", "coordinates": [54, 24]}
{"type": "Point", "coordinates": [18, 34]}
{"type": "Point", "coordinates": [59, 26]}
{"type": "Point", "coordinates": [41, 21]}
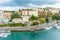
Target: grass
{"type": "Point", "coordinates": [2, 25]}
{"type": "Point", "coordinates": [17, 24]}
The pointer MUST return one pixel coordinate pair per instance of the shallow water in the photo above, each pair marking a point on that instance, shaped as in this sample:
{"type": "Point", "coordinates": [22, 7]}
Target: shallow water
{"type": "Point", "coordinates": [52, 34]}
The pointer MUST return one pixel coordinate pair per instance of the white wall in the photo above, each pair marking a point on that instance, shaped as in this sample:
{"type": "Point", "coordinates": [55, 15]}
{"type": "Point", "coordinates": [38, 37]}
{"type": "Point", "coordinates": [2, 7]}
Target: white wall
{"type": "Point", "coordinates": [35, 13]}
{"type": "Point", "coordinates": [24, 13]}
{"type": "Point", "coordinates": [25, 18]}
{"type": "Point", "coordinates": [17, 20]}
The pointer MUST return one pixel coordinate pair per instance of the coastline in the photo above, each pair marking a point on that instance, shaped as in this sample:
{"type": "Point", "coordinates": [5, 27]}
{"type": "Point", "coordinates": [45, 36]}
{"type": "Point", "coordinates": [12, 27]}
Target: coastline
{"type": "Point", "coordinates": [32, 28]}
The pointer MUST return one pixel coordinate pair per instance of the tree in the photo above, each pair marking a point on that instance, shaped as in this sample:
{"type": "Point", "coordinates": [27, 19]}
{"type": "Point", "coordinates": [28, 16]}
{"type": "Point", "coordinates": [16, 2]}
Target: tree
{"type": "Point", "coordinates": [14, 15]}
{"type": "Point", "coordinates": [56, 17]}
{"type": "Point", "coordinates": [59, 12]}
{"type": "Point", "coordinates": [34, 23]}
{"type": "Point", "coordinates": [47, 20]}
{"type": "Point", "coordinates": [42, 20]}
{"type": "Point", "coordinates": [32, 18]}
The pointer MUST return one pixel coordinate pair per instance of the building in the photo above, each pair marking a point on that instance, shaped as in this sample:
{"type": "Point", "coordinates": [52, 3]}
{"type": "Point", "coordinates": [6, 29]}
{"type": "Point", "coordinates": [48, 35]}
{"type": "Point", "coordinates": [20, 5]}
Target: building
{"type": "Point", "coordinates": [17, 20]}
{"type": "Point", "coordinates": [26, 13]}
{"type": "Point", "coordinates": [6, 20]}
{"type": "Point", "coordinates": [33, 12]}
{"type": "Point", "coordinates": [25, 18]}
{"type": "Point", "coordinates": [1, 15]}
{"type": "Point", "coordinates": [7, 14]}
{"type": "Point", "coordinates": [29, 12]}
{"type": "Point", "coordinates": [53, 10]}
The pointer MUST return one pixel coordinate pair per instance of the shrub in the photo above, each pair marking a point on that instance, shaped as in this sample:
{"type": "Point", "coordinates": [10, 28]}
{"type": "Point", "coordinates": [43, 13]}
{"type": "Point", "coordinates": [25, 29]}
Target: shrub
{"type": "Point", "coordinates": [2, 25]}
{"type": "Point", "coordinates": [17, 24]}
{"type": "Point", "coordinates": [42, 20]}
{"type": "Point", "coordinates": [34, 23]}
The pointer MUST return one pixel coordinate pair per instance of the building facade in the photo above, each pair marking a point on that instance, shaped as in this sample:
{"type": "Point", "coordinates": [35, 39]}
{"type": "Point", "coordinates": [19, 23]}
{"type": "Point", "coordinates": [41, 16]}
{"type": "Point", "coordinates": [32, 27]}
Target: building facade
{"type": "Point", "coordinates": [1, 15]}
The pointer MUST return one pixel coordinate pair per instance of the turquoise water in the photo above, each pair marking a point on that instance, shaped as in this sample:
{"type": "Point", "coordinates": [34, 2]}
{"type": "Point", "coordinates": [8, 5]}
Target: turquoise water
{"type": "Point", "coordinates": [52, 34]}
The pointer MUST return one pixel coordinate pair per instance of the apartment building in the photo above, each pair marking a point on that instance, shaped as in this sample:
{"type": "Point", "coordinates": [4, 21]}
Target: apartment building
{"type": "Point", "coordinates": [26, 13]}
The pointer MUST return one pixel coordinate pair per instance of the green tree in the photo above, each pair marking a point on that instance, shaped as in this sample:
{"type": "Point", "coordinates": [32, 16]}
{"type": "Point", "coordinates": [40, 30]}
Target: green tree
{"type": "Point", "coordinates": [56, 17]}
{"type": "Point", "coordinates": [34, 23]}
{"type": "Point", "coordinates": [59, 11]}
{"type": "Point", "coordinates": [42, 20]}
{"type": "Point", "coordinates": [15, 15]}
{"type": "Point", "coordinates": [47, 20]}
{"type": "Point", "coordinates": [32, 18]}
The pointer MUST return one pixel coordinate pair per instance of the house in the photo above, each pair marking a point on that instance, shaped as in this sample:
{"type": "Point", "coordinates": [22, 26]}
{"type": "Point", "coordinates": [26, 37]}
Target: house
{"type": "Point", "coordinates": [7, 14]}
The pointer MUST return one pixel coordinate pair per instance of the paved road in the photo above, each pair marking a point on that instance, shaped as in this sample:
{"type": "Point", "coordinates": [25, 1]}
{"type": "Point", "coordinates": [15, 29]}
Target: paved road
{"type": "Point", "coordinates": [32, 28]}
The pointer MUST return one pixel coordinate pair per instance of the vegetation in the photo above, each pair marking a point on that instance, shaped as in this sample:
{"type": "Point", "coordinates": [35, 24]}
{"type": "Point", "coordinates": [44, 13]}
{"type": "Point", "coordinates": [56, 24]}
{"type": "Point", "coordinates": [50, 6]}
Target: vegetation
{"type": "Point", "coordinates": [2, 25]}
{"type": "Point", "coordinates": [34, 23]}
{"type": "Point", "coordinates": [32, 18]}
{"type": "Point", "coordinates": [56, 17]}
{"type": "Point", "coordinates": [14, 15]}
{"type": "Point", "coordinates": [46, 19]}
{"type": "Point", "coordinates": [14, 25]}
{"type": "Point", "coordinates": [42, 20]}
{"type": "Point", "coordinates": [17, 24]}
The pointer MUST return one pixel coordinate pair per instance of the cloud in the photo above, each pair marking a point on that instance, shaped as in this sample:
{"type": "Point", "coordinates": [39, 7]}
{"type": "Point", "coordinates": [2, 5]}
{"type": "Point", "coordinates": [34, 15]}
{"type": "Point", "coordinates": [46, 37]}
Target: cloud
{"type": "Point", "coordinates": [12, 8]}
{"type": "Point", "coordinates": [20, 4]}
{"type": "Point", "coordinates": [33, 5]}
{"type": "Point", "coordinates": [38, 6]}
{"type": "Point", "coordinates": [30, 5]}
{"type": "Point", "coordinates": [57, 5]}
{"type": "Point", "coordinates": [45, 0]}
{"type": "Point", "coordinates": [4, 1]}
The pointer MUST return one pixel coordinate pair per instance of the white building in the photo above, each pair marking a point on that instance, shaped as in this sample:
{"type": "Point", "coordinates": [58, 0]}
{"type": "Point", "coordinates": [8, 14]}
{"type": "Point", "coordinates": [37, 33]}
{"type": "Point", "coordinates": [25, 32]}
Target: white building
{"type": "Point", "coordinates": [25, 18]}
{"type": "Point", "coordinates": [27, 13]}
{"type": "Point", "coordinates": [17, 20]}
{"type": "Point", "coordinates": [34, 12]}
{"type": "Point", "coordinates": [24, 13]}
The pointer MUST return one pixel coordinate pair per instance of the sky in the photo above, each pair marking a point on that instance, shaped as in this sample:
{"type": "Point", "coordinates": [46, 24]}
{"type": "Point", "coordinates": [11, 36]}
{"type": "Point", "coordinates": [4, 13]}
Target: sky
{"type": "Point", "coordinates": [22, 4]}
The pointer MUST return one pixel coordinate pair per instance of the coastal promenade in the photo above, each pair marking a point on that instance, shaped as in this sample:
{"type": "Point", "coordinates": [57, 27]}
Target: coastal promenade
{"type": "Point", "coordinates": [31, 28]}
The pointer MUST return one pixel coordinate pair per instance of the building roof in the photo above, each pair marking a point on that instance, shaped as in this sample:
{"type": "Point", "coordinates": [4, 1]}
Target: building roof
{"type": "Point", "coordinates": [10, 11]}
